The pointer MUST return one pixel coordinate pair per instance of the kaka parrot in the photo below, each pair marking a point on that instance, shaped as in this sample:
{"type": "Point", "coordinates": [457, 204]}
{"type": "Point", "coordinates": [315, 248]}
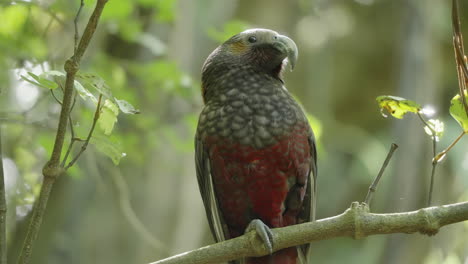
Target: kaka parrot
{"type": "Point", "coordinates": [255, 152]}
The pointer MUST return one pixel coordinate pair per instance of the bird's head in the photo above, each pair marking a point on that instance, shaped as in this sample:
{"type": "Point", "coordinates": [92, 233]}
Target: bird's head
{"type": "Point", "coordinates": [263, 49]}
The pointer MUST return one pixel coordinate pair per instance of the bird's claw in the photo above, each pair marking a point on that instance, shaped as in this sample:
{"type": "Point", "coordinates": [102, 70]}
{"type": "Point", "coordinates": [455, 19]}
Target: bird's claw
{"type": "Point", "coordinates": [263, 231]}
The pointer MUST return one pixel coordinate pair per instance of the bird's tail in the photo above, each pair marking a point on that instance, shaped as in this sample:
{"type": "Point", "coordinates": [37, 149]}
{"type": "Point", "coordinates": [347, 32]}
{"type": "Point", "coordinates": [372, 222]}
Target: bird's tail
{"type": "Point", "coordinates": [284, 256]}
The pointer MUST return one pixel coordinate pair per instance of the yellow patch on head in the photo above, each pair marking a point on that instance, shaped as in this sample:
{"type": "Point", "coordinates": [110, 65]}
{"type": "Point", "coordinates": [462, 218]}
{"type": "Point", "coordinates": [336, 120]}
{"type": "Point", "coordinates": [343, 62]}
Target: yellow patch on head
{"type": "Point", "coordinates": [238, 47]}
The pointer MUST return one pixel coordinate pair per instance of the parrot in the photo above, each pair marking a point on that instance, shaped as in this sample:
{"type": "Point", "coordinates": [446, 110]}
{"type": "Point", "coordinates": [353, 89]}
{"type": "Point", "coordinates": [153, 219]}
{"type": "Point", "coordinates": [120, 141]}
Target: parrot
{"type": "Point", "coordinates": [255, 152]}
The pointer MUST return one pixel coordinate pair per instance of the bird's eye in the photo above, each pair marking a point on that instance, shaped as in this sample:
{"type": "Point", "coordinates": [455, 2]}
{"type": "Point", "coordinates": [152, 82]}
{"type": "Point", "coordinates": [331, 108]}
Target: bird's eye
{"type": "Point", "coordinates": [252, 39]}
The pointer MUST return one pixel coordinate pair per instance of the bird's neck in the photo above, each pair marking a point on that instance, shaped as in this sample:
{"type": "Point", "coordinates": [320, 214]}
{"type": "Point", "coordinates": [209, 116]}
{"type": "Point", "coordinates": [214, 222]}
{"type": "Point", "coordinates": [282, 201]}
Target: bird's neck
{"type": "Point", "coordinates": [228, 80]}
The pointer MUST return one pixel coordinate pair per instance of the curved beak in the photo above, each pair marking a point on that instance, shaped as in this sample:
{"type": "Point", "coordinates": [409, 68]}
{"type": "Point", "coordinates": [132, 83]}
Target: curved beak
{"type": "Point", "coordinates": [288, 47]}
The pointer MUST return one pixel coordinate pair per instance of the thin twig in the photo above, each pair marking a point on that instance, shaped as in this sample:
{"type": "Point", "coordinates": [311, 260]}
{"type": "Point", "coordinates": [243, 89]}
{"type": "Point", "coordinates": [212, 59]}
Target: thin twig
{"type": "Point", "coordinates": [373, 186]}
{"type": "Point", "coordinates": [97, 113]}
{"type": "Point", "coordinates": [442, 154]}
{"type": "Point", "coordinates": [431, 186]}
{"type": "Point", "coordinates": [433, 132]}
{"type": "Point", "coordinates": [72, 134]}
{"type": "Point", "coordinates": [355, 222]}
{"type": "Point", "coordinates": [434, 161]}
{"type": "Point", "coordinates": [55, 97]}
{"type": "Point", "coordinates": [72, 141]}
{"type": "Point", "coordinates": [74, 102]}
{"type": "Point", "coordinates": [75, 22]}
{"type": "Point", "coordinates": [3, 209]}
{"type": "Point", "coordinates": [434, 166]}
{"type": "Point", "coordinates": [52, 169]}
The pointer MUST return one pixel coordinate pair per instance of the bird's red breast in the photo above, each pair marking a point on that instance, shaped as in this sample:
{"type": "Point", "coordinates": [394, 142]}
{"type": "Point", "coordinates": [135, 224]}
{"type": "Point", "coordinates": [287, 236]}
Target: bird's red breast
{"type": "Point", "coordinates": [267, 184]}
{"type": "Point", "coordinates": [253, 183]}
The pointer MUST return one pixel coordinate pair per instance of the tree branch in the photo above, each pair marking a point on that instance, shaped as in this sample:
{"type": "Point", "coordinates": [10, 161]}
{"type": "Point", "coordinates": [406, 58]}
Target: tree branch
{"type": "Point", "coordinates": [444, 152]}
{"type": "Point", "coordinates": [52, 170]}
{"type": "Point", "coordinates": [3, 209]}
{"type": "Point", "coordinates": [373, 186]}
{"type": "Point", "coordinates": [460, 58]}
{"type": "Point", "coordinates": [356, 222]}
{"type": "Point", "coordinates": [77, 35]}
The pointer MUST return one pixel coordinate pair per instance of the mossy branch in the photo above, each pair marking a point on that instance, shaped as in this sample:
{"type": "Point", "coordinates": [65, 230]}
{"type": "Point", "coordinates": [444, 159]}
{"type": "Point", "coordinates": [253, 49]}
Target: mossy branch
{"type": "Point", "coordinates": [356, 222]}
{"type": "Point", "coordinates": [53, 169]}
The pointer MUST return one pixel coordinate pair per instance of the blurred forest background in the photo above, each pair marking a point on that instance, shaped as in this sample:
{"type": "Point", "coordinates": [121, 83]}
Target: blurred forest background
{"type": "Point", "coordinates": [150, 53]}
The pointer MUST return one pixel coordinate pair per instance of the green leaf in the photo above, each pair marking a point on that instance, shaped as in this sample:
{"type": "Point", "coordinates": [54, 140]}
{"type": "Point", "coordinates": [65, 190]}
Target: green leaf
{"type": "Point", "coordinates": [229, 29]}
{"type": "Point", "coordinates": [108, 117]}
{"type": "Point", "coordinates": [24, 78]}
{"type": "Point", "coordinates": [437, 126]}
{"type": "Point", "coordinates": [40, 81]}
{"type": "Point", "coordinates": [94, 82]}
{"type": "Point", "coordinates": [397, 106]}
{"type": "Point", "coordinates": [109, 146]}
{"type": "Point", "coordinates": [458, 111]}
{"type": "Point", "coordinates": [84, 93]}
{"type": "Point", "coordinates": [126, 107]}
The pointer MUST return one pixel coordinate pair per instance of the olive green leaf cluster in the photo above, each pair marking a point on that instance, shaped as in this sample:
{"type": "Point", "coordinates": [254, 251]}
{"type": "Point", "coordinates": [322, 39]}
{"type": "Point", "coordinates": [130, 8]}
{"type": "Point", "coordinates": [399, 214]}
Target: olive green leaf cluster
{"type": "Point", "coordinates": [87, 86]}
{"type": "Point", "coordinates": [458, 111]}
{"type": "Point", "coordinates": [398, 107]}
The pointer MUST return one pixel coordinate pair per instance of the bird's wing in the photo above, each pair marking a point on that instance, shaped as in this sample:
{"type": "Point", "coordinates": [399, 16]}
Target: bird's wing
{"type": "Point", "coordinates": [217, 224]}
{"type": "Point", "coordinates": [313, 171]}
{"type": "Point", "coordinates": [310, 200]}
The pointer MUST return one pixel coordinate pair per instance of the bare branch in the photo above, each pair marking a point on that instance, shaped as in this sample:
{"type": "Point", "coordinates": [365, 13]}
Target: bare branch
{"type": "Point", "coordinates": [75, 22]}
{"type": "Point", "coordinates": [374, 184]}
{"type": "Point", "coordinates": [431, 185]}
{"type": "Point", "coordinates": [460, 58]}
{"type": "Point", "coordinates": [3, 209]}
{"type": "Point", "coordinates": [73, 139]}
{"type": "Point", "coordinates": [355, 222]}
{"type": "Point", "coordinates": [52, 170]}
{"type": "Point", "coordinates": [90, 134]}
{"type": "Point", "coordinates": [434, 161]}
